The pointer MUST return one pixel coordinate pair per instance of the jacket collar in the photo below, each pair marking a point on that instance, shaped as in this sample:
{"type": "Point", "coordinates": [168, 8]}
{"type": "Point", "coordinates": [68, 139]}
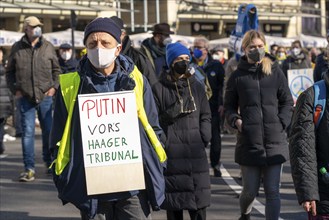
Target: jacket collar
{"type": "Point", "coordinates": [253, 67]}
{"type": "Point", "coordinates": [25, 40]}
{"type": "Point", "coordinates": [122, 70]}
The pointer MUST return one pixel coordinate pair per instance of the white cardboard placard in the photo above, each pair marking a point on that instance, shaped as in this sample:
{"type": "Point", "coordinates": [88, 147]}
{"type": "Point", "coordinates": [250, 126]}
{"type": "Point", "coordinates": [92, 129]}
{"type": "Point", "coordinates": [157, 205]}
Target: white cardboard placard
{"type": "Point", "coordinates": [299, 80]}
{"type": "Point", "coordinates": [111, 143]}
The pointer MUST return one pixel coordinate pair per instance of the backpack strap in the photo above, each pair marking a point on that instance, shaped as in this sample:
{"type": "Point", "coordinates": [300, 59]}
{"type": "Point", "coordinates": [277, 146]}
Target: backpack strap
{"type": "Point", "coordinates": [319, 101]}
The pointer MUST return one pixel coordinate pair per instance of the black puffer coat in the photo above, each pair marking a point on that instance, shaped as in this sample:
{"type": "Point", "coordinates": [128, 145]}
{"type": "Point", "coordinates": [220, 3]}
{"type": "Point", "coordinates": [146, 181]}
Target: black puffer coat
{"type": "Point", "coordinates": [143, 64]}
{"type": "Point", "coordinates": [187, 174]}
{"type": "Point", "coordinates": [309, 150]}
{"type": "Point", "coordinates": [6, 107]}
{"type": "Point", "coordinates": [264, 103]}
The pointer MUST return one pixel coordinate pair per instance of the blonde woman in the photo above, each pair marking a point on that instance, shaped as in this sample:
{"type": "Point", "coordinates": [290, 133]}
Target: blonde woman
{"type": "Point", "coordinates": [258, 104]}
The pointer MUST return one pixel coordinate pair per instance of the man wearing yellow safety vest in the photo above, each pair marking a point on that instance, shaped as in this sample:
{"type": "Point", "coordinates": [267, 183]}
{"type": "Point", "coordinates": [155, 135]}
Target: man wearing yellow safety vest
{"type": "Point", "coordinates": [103, 69]}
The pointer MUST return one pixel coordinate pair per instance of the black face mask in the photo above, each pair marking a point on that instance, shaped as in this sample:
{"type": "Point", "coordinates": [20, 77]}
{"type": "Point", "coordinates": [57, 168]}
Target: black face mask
{"type": "Point", "coordinates": [256, 55]}
{"type": "Point", "coordinates": [181, 67]}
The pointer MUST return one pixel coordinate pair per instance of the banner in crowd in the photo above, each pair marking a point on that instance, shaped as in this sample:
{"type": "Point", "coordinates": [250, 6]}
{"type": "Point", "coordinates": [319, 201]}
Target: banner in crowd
{"type": "Point", "coordinates": [8, 38]}
{"type": "Point", "coordinates": [111, 142]}
{"type": "Point", "coordinates": [61, 37]}
{"type": "Point", "coordinates": [299, 80]}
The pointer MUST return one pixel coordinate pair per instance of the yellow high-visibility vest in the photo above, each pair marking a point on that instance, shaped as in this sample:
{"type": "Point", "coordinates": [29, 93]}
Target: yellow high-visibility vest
{"type": "Point", "coordinates": [69, 83]}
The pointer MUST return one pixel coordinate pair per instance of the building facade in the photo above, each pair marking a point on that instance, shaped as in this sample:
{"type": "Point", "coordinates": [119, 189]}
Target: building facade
{"type": "Point", "coordinates": [212, 18]}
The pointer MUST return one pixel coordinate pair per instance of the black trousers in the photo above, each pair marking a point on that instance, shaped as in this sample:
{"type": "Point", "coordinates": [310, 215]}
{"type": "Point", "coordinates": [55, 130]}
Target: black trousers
{"type": "Point", "coordinates": [216, 141]}
{"type": "Point", "coordinates": [199, 214]}
{"type": "Point", "coordinates": [135, 207]}
{"type": "Point", "coordinates": [2, 133]}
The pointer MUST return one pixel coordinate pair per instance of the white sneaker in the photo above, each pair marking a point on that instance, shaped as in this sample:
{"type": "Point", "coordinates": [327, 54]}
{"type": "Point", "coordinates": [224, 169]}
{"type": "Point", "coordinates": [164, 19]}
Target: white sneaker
{"type": "Point", "coordinates": [7, 137]}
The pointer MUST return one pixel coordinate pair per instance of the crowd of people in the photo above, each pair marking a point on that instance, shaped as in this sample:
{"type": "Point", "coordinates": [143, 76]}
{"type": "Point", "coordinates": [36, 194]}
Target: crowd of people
{"type": "Point", "coordinates": [185, 95]}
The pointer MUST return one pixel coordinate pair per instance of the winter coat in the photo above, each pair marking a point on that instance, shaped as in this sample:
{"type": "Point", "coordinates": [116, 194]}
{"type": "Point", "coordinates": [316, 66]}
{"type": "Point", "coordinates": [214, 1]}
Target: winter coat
{"type": "Point", "coordinates": [6, 107]}
{"type": "Point", "coordinates": [32, 70]}
{"type": "Point", "coordinates": [321, 67]}
{"type": "Point", "coordinates": [264, 103]}
{"type": "Point", "coordinates": [309, 150]}
{"type": "Point", "coordinates": [292, 63]}
{"type": "Point", "coordinates": [71, 183]}
{"type": "Point", "coordinates": [68, 66]}
{"type": "Point", "coordinates": [141, 61]}
{"type": "Point", "coordinates": [187, 134]}
{"type": "Point", "coordinates": [215, 74]}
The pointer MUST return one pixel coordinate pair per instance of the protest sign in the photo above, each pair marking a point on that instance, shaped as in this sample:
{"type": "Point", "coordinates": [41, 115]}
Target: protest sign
{"type": "Point", "coordinates": [299, 80]}
{"type": "Point", "coordinates": [111, 142]}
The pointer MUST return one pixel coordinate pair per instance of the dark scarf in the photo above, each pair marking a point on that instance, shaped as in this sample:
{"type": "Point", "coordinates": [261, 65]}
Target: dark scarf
{"type": "Point", "coordinates": [155, 49]}
{"type": "Point", "coordinates": [298, 58]}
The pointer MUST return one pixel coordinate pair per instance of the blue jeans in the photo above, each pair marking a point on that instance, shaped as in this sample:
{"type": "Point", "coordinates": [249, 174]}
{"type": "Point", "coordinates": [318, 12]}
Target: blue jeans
{"type": "Point", "coordinates": [44, 110]}
{"type": "Point", "coordinates": [251, 176]}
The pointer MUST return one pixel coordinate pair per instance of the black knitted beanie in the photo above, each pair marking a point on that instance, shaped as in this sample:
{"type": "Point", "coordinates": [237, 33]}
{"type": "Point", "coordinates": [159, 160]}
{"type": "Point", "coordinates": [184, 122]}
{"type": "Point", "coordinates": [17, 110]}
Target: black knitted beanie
{"type": "Point", "coordinates": [103, 25]}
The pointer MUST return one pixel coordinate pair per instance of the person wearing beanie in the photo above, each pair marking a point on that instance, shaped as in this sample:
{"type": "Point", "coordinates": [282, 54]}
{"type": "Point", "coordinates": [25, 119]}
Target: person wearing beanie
{"type": "Point", "coordinates": [32, 76]}
{"type": "Point", "coordinates": [141, 61]}
{"type": "Point", "coordinates": [174, 51]}
{"type": "Point", "coordinates": [105, 70]}
{"type": "Point", "coordinates": [185, 116]}
{"type": "Point", "coordinates": [155, 47]}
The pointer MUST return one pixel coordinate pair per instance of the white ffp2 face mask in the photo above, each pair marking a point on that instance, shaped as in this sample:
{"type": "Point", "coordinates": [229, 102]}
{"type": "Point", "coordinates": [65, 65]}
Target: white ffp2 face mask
{"type": "Point", "coordinates": [37, 32]}
{"type": "Point", "coordinates": [66, 55]}
{"type": "Point", "coordinates": [101, 58]}
{"type": "Point", "coordinates": [296, 51]}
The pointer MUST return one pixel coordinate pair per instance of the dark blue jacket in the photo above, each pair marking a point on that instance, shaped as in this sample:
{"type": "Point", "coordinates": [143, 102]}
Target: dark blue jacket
{"type": "Point", "coordinates": [321, 67]}
{"type": "Point", "coordinates": [68, 66]}
{"type": "Point", "coordinates": [71, 183]}
{"type": "Point", "coordinates": [215, 74]}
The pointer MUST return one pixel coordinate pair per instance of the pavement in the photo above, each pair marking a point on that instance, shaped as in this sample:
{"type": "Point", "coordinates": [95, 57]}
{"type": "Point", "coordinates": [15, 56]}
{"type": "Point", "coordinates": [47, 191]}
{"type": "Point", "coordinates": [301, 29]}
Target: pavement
{"type": "Point", "coordinates": [38, 200]}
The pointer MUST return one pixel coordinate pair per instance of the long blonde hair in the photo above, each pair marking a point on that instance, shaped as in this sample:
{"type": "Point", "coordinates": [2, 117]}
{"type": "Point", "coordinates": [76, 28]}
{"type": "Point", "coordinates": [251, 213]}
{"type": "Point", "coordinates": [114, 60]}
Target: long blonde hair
{"type": "Point", "coordinates": [246, 41]}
